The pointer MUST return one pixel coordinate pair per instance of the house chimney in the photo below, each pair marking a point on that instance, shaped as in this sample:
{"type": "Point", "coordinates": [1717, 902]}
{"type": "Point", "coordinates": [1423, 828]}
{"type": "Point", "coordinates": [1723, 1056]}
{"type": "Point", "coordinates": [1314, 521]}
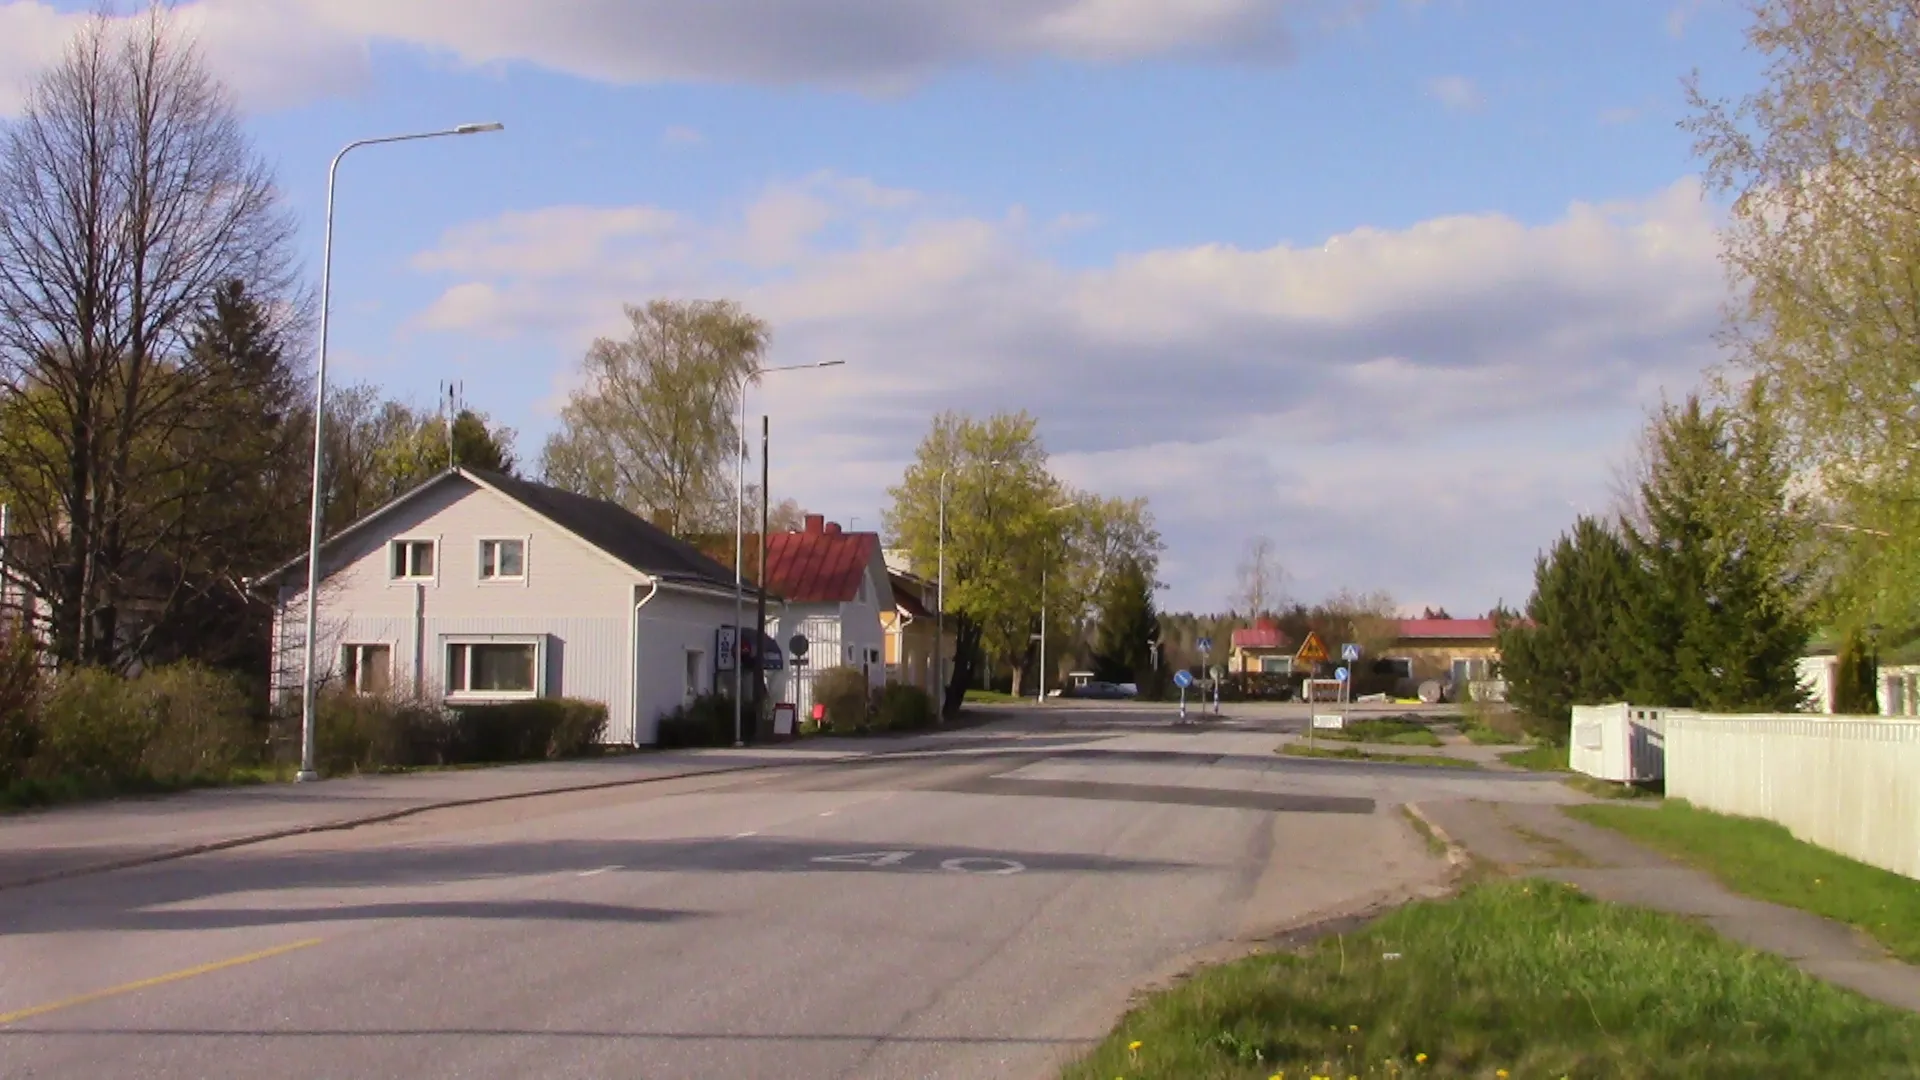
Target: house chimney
{"type": "Point", "coordinates": [833, 528]}
{"type": "Point", "coordinates": [815, 523]}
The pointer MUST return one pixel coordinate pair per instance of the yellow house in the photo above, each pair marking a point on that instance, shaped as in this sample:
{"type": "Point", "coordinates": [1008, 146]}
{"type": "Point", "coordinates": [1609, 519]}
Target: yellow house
{"type": "Point", "coordinates": [1261, 648]}
{"type": "Point", "coordinates": [911, 629]}
{"type": "Point", "coordinates": [1453, 652]}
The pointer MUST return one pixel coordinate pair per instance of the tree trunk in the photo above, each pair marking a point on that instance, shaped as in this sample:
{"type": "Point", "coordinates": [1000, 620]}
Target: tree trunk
{"type": "Point", "coordinates": [966, 646]}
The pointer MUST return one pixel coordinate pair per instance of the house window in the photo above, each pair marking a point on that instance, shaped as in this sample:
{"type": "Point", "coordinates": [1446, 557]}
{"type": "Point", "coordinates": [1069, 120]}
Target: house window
{"type": "Point", "coordinates": [1475, 669]}
{"type": "Point", "coordinates": [696, 668]}
{"type": "Point", "coordinates": [413, 560]}
{"type": "Point", "coordinates": [493, 669]}
{"type": "Point", "coordinates": [503, 560]}
{"type": "Point", "coordinates": [367, 669]}
{"type": "Point", "coordinates": [1399, 667]}
{"type": "Point", "coordinates": [1276, 665]}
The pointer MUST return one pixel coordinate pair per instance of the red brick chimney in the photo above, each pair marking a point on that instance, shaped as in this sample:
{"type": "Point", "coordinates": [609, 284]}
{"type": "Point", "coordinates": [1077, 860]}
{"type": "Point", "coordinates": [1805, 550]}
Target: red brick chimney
{"type": "Point", "coordinates": [833, 528]}
{"type": "Point", "coordinates": [815, 523]}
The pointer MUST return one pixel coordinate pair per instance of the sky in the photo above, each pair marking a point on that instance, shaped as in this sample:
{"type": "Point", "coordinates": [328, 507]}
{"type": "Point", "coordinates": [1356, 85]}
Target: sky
{"type": "Point", "coordinates": [1390, 282]}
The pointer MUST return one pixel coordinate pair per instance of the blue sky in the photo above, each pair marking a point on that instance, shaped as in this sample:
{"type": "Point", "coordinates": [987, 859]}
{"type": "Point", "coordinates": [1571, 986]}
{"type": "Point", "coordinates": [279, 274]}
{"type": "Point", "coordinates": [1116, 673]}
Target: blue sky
{"type": "Point", "coordinates": [1391, 282]}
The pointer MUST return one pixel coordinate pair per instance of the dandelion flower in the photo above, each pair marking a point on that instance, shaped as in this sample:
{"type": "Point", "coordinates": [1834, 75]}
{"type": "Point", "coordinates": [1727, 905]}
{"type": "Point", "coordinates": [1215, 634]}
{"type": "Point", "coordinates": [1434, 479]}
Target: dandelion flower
{"type": "Point", "coordinates": [1134, 1046]}
{"type": "Point", "coordinates": [1501, 1073]}
{"type": "Point", "coordinates": [1353, 1027]}
{"type": "Point", "coordinates": [1421, 1058]}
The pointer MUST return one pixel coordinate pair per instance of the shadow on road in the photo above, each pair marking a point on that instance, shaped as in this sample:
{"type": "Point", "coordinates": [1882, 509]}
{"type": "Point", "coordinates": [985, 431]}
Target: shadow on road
{"type": "Point", "coordinates": [66, 1033]}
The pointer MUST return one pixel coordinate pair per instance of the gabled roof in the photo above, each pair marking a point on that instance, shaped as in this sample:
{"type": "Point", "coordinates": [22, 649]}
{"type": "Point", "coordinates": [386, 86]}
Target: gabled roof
{"type": "Point", "coordinates": [1261, 635]}
{"type": "Point", "coordinates": [1447, 629]}
{"type": "Point", "coordinates": [906, 599]}
{"type": "Point", "coordinates": [612, 528]}
{"type": "Point", "coordinates": [819, 564]}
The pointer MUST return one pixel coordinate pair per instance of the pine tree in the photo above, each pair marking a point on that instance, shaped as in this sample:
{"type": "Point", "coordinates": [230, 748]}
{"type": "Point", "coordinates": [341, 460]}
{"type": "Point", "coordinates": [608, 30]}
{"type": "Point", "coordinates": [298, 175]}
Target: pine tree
{"type": "Point", "coordinates": [1719, 626]}
{"type": "Point", "coordinates": [1574, 645]}
{"type": "Point", "coordinates": [1855, 675]}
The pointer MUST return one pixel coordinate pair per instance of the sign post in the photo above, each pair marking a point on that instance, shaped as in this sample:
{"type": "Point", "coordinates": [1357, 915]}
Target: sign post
{"type": "Point", "coordinates": [1206, 649]}
{"type": "Point", "coordinates": [1350, 656]}
{"type": "Point", "coordinates": [1183, 679]}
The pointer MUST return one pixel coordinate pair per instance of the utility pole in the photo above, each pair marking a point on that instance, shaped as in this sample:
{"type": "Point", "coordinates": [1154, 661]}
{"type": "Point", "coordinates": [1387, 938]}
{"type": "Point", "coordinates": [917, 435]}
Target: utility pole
{"type": "Point", "coordinates": [760, 612]}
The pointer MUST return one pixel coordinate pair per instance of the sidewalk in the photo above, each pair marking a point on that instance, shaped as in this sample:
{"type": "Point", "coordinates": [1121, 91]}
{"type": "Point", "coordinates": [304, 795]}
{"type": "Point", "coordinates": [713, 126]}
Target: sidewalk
{"type": "Point", "coordinates": [1541, 841]}
{"type": "Point", "coordinates": [66, 841]}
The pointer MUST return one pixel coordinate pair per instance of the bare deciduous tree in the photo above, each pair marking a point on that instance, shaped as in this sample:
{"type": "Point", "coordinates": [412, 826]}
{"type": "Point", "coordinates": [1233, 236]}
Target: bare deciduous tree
{"type": "Point", "coordinates": [1261, 578]}
{"type": "Point", "coordinates": [129, 196]}
{"type": "Point", "coordinates": [653, 429]}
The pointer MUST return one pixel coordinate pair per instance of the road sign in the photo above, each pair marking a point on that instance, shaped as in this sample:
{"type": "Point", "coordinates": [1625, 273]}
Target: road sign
{"type": "Point", "coordinates": [723, 649]}
{"type": "Point", "coordinates": [1341, 674]}
{"type": "Point", "coordinates": [798, 646]}
{"type": "Point", "coordinates": [1311, 651]}
{"type": "Point", "coordinates": [1182, 679]}
{"type": "Point", "coordinates": [1349, 652]}
{"type": "Point", "coordinates": [1206, 644]}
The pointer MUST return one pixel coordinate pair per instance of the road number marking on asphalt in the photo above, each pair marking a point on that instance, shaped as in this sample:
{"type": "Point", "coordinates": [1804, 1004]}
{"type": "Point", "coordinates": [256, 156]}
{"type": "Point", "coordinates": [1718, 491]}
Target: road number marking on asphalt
{"type": "Point", "coordinates": [967, 866]}
{"type": "Point", "coordinates": [868, 858]}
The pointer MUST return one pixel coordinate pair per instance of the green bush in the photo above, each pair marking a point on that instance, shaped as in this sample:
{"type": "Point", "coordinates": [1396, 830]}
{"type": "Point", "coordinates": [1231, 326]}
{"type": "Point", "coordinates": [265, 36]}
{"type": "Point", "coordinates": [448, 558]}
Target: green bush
{"type": "Point", "coordinates": [705, 721]}
{"type": "Point", "coordinates": [170, 725]}
{"type": "Point", "coordinates": [527, 730]}
{"type": "Point", "coordinates": [369, 732]}
{"type": "Point", "coordinates": [844, 693]}
{"type": "Point", "coordinates": [903, 708]}
{"type": "Point", "coordinates": [20, 689]}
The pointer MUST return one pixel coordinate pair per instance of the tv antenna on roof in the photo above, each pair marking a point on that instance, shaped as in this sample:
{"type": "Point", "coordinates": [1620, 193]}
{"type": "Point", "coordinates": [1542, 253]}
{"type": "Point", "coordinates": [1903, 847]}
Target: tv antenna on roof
{"type": "Point", "coordinates": [450, 405]}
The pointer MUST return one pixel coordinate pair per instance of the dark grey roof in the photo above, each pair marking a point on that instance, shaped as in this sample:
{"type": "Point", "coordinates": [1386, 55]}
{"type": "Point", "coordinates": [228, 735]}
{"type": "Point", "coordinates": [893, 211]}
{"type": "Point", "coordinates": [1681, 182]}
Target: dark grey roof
{"type": "Point", "coordinates": [608, 526]}
{"type": "Point", "coordinates": [613, 529]}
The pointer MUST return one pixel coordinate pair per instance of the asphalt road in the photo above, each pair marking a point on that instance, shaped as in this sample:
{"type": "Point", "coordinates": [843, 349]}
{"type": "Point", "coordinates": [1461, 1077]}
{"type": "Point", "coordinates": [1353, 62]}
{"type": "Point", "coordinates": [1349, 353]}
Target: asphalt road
{"type": "Point", "coordinates": [979, 911]}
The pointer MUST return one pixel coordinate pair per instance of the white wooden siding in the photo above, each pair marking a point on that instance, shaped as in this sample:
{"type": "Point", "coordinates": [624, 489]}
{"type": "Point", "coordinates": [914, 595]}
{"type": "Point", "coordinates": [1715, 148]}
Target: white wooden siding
{"type": "Point", "coordinates": [670, 625]}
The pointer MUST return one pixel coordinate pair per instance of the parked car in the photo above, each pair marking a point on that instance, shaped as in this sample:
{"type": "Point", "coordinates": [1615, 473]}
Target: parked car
{"type": "Point", "coordinates": [1094, 688]}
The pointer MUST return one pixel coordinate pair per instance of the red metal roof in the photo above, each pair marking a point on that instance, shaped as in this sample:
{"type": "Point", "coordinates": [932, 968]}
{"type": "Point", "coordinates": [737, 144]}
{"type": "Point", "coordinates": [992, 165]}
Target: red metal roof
{"type": "Point", "coordinates": [1259, 637]}
{"type": "Point", "coordinates": [820, 564]}
{"type": "Point", "coordinates": [1453, 629]}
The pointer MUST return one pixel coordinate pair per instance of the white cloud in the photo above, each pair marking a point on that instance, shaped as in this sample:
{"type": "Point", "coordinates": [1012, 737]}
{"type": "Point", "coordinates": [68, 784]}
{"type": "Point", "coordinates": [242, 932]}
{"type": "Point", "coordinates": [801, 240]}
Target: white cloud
{"type": "Point", "coordinates": [1410, 409]}
{"type": "Point", "coordinates": [1456, 92]}
{"type": "Point", "coordinates": [277, 52]}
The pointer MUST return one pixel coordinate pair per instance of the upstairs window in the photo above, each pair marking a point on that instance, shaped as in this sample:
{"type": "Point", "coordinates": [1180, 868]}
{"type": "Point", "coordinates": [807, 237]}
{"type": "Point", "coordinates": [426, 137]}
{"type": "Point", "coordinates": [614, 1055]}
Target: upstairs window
{"type": "Point", "coordinates": [413, 560]}
{"type": "Point", "coordinates": [503, 560]}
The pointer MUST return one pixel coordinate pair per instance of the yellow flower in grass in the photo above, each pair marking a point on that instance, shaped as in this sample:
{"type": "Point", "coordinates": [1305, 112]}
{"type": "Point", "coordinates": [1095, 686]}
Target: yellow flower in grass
{"type": "Point", "coordinates": [1421, 1058]}
{"type": "Point", "coordinates": [1134, 1046]}
{"type": "Point", "coordinates": [1501, 1073]}
{"type": "Point", "coordinates": [1353, 1027]}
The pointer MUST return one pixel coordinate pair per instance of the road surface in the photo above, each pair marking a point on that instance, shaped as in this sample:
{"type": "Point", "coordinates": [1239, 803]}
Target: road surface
{"type": "Point", "coordinates": [978, 910]}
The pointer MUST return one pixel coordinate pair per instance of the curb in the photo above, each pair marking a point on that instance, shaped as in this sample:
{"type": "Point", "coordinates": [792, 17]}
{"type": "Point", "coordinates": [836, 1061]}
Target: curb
{"type": "Point", "coordinates": [1457, 856]}
{"type": "Point", "coordinates": [343, 824]}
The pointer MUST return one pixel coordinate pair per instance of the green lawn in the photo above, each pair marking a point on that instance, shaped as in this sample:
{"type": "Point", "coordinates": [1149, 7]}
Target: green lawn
{"type": "Point", "coordinates": [1763, 860]}
{"type": "Point", "coordinates": [1539, 758]}
{"type": "Point", "coordinates": [1393, 730]}
{"type": "Point", "coordinates": [1481, 735]}
{"type": "Point", "coordinates": [1528, 977]}
{"type": "Point", "coordinates": [992, 697]}
{"type": "Point", "coordinates": [1351, 753]}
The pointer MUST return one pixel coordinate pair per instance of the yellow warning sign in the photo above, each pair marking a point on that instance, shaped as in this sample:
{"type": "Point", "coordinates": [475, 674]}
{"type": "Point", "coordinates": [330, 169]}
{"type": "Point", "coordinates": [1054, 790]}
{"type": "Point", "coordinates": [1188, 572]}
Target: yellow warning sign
{"type": "Point", "coordinates": [1311, 651]}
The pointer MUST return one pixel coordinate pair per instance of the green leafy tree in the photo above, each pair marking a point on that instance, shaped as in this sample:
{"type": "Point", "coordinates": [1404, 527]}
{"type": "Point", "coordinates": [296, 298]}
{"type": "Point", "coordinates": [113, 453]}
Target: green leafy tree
{"type": "Point", "coordinates": [1823, 245]}
{"type": "Point", "coordinates": [653, 428]}
{"type": "Point", "coordinates": [1128, 621]}
{"type": "Point", "coordinates": [1721, 622]}
{"type": "Point", "coordinates": [1576, 644]}
{"type": "Point", "coordinates": [379, 449]}
{"type": "Point", "coordinates": [1856, 677]}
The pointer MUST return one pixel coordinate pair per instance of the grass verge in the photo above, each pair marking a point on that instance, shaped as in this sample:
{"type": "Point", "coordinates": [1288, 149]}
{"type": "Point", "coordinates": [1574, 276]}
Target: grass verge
{"type": "Point", "coordinates": [992, 697]}
{"type": "Point", "coordinates": [1528, 977]}
{"type": "Point", "coordinates": [1481, 735]}
{"type": "Point", "coordinates": [1539, 759]}
{"type": "Point", "coordinates": [1765, 861]}
{"type": "Point", "coordinates": [1607, 789]}
{"type": "Point", "coordinates": [1350, 753]}
{"type": "Point", "coordinates": [1393, 730]}
{"type": "Point", "coordinates": [34, 794]}
{"type": "Point", "coordinates": [1435, 845]}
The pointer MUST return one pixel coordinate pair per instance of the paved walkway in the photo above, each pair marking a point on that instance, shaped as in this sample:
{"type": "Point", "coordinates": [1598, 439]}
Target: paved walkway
{"type": "Point", "coordinates": [1538, 839]}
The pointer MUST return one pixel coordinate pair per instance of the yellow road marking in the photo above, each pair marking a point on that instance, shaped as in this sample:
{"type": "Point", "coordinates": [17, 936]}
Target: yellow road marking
{"type": "Point", "coordinates": [157, 980]}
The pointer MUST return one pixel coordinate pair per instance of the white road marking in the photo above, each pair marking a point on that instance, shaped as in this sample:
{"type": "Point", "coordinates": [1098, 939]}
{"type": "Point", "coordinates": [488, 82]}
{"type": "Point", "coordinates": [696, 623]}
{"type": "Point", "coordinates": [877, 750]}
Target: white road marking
{"type": "Point", "coordinates": [597, 873]}
{"type": "Point", "coordinates": [868, 858]}
{"type": "Point", "coordinates": [965, 866]}
{"type": "Point", "coordinates": [744, 835]}
{"type": "Point", "coordinates": [829, 813]}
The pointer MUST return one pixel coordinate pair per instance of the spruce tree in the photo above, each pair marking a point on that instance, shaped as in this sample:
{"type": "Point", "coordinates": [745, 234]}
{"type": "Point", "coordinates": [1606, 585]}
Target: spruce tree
{"type": "Point", "coordinates": [1719, 626]}
{"type": "Point", "coordinates": [1128, 622]}
{"type": "Point", "coordinates": [1574, 645]}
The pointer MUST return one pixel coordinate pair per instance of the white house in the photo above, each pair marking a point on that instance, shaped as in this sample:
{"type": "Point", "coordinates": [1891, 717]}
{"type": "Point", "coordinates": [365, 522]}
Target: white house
{"type": "Point", "coordinates": [478, 587]}
{"type": "Point", "coordinates": [834, 584]}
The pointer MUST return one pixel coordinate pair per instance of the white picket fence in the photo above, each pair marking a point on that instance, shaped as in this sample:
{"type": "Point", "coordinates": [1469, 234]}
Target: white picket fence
{"type": "Point", "coordinates": [1849, 785]}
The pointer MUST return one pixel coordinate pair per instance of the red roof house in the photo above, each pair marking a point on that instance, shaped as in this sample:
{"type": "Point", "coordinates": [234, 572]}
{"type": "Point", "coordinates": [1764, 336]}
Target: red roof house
{"type": "Point", "coordinates": [1261, 647]}
{"type": "Point", "coordinates": [834, 585]}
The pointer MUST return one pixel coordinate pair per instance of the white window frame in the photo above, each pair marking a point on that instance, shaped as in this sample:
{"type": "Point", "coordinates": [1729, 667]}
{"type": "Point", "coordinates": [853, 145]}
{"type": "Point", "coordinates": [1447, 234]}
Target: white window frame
{"type": "Point", "coordinates": [406, 576]}
{"type": "Point", "coordinates": [1406, 663]}
{"type": "Point", "coordinates": [350, 672]}
{"type": "Point", "coordinates": [697, 677]}
{"type": "Point", "coordinates": [538, 642]}
{"type": "Point", "coordinates": [480, 560]}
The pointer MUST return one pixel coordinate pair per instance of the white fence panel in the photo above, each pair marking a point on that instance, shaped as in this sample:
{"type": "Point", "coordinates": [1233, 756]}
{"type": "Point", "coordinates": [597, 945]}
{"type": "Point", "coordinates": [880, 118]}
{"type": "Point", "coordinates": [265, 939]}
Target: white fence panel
{"type": "Point", "coordinates": [1619, 742]}
{"type": "Point", "coordinates": [1851, 786]}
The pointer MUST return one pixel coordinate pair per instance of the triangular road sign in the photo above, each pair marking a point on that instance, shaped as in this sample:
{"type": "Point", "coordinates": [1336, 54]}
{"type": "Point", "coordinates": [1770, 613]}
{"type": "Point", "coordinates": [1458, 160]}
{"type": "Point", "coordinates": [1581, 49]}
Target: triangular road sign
{"type": "Point", "coordinates": [1311, 651]}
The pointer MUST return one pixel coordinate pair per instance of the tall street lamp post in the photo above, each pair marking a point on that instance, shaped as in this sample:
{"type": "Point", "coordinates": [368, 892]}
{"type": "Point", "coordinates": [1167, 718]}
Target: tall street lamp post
{"type": "Point", "coordinates": [1041, 697]}
{"type": "Point", "coordinates": [740, 543]}
{"type": "Point", "coordinates": [307, 684]}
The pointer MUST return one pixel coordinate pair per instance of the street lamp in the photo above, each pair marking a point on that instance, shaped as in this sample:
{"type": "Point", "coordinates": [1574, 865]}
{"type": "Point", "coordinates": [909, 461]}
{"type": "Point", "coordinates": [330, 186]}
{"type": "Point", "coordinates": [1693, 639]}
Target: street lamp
{"type": "Point", "coordinates": [307, 687]}
{"type": "Point", "coordinates": [740, 542]}
{"type": "Point", "coordinates": [1041, 697]}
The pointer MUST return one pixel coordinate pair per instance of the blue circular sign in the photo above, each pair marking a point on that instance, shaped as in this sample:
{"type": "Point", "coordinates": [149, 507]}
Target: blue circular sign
{"type": "Point", "coordinates": [1341, 674]}
{"type": "Point", "coordinates": [1182, 679]}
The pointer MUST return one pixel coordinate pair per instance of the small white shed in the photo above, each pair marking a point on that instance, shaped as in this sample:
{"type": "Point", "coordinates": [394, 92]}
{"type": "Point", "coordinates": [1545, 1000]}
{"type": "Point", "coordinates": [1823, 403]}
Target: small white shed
{"type": "Point", "coordinates": [1619, 742]}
